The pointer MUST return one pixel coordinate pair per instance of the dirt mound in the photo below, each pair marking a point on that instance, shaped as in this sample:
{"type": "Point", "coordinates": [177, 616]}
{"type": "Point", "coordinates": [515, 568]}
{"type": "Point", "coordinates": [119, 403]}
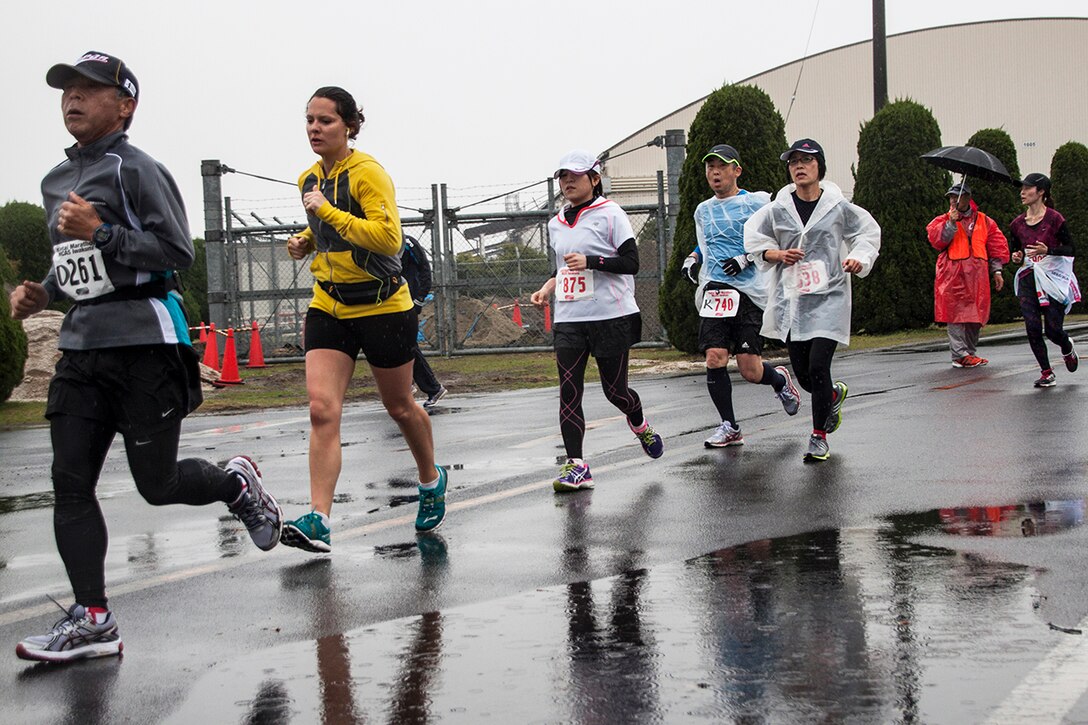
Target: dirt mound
{"type": "Point", "coordinates": [480, 324]}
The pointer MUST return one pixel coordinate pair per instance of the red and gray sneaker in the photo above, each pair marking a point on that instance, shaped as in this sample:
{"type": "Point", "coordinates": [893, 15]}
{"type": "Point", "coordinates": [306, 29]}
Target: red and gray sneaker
{"type": "Point", "coordinates": [79, 635]}
{"type": "Point", "coordinates": [573, 476]}
{"type": "Point", "coordinates": [1072, 362]}
{"type": "Point", "coordinates": [1047, 379]}
{"type": "Point", "coordinates": [791, 399]}
{"type": "Point", "coordinates": [255, 507]}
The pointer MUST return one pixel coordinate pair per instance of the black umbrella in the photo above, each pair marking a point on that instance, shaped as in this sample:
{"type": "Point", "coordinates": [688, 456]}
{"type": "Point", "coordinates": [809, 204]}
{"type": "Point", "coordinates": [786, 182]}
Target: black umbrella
{"type": "Point", "coordinates": [969, 161]}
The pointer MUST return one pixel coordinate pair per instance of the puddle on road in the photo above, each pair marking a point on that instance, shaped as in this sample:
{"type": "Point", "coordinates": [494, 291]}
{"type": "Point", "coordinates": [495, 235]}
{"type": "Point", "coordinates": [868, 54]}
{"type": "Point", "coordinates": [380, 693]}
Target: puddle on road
{"type": "Point", "coordinates": [860, 624]}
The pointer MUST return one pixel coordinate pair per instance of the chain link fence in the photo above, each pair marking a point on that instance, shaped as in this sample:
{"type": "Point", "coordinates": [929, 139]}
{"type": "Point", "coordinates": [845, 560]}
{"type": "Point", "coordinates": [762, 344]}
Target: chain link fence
{"type": "Point", "coordinates": [485, 266]}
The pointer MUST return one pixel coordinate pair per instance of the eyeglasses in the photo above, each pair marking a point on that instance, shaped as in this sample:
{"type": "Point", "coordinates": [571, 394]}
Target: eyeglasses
{"type": "Point", "coordinates": [803, 159]}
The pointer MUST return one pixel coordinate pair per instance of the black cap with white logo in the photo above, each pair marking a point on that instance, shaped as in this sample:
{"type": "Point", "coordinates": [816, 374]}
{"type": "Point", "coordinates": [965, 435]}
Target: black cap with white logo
{"type": "Point", "coordinates": [804, 146]}
{"type": "Point", "coordinates": [99, 67]}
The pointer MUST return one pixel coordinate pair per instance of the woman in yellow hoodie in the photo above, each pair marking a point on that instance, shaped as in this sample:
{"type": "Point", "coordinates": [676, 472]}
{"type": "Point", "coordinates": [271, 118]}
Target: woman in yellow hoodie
{"type": "Point", "coordinates": [360, 304]}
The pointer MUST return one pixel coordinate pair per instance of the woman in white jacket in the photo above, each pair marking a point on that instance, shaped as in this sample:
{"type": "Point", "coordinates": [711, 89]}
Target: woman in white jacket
{"type": "Point", "coordinates": [809, 241]}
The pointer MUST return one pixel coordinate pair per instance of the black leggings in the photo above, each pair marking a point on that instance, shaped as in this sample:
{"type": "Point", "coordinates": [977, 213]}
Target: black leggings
{"type": "Point", "coordinates": [79, 451]}
{"type": "Point", "coordinates": [572, 369]}
{"type": "Point", "coordinates": [1038, 318]}
{"type": "Point", "coordinates": [811, 361]}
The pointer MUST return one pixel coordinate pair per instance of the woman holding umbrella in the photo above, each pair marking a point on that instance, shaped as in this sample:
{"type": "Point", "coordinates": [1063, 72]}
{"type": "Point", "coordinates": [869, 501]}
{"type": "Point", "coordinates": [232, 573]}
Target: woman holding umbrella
{"type": "Point", "coordinates": [1045, 284]}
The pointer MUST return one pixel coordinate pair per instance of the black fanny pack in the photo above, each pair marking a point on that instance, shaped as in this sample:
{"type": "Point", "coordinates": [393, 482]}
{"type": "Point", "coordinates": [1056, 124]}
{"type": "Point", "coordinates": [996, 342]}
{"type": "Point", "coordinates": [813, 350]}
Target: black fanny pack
{"type": "Point", "coordinates": [155, 289]}
{"type": "Point", "coordinates": [362, 293]}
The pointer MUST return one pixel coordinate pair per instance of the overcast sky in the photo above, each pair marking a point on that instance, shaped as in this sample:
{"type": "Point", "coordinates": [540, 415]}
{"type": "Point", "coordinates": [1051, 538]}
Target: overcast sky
{"type": "Point", "coordinates": [484, 96]}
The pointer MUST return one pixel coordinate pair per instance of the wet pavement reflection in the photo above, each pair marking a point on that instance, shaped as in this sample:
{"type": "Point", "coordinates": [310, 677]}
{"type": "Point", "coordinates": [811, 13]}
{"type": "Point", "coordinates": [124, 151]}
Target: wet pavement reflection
{"type": "Point", "coordinates": [861, 624]}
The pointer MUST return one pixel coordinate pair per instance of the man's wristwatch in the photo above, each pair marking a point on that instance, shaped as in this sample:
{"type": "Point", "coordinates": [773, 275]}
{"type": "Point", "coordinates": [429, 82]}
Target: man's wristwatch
{"type": "Point", "coordinates": [102, 235]}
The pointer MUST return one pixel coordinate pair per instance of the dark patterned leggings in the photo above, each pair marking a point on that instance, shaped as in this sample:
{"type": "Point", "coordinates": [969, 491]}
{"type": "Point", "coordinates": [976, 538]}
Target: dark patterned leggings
{"type": "Point", "coordinates": [1039, 320]}
{"type": "Point", "coordinates": [572, 369]}
{"type": "Point", "coordinates": [811, 360]}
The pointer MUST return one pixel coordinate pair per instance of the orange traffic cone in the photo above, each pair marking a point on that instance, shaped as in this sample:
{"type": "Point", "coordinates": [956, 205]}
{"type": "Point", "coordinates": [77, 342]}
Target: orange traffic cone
{"type": "Point", "coordinates": [547, 318]}
{"type": "Point", "coordinates": [203, 333]}
{"type": "Point", "coordinates": [211, 350]}
{"type": "Point", "coordinates": [516, 317]}
{"type": "Point", "coordinates": [229, 376]}
{"type": "Point", "coordinates": [256, 354]}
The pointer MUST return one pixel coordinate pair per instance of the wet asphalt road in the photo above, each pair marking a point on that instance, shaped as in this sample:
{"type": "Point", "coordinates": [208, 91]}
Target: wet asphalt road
{"type": "Point", "coordinates": [931, 571]}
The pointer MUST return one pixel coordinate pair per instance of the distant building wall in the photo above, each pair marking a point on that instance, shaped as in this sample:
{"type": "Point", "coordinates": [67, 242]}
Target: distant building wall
{"type": "Point", "coordinates": [1028, 77]}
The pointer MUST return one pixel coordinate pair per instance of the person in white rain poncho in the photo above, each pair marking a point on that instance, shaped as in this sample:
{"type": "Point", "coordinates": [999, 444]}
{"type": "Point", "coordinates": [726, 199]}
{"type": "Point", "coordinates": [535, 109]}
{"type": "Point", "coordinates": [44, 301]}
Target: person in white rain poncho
{"type": "Point", "coordinates": [809, 241]}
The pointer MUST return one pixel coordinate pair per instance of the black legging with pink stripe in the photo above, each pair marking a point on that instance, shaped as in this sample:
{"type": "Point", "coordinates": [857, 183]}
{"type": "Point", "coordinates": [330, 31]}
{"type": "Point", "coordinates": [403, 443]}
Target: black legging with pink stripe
{"type": "Point", "coordinates": [572, 369]}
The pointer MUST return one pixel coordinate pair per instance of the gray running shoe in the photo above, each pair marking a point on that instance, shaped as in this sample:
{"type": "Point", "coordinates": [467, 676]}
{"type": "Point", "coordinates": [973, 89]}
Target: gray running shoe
{"type": "Point", "coordinates": [433, 400]}
{"type": "Point", "coordinates": [256, 507]}
{"type": "Point", "coordinates": [725, 435]}
{"type": "Point", "coordinates": [75, 637]}
{"type": "Point", "coordinates": [818, 450]}
{"type": "Point", "coordinates": [834, 418]}
{"type": "Point", "coordinates": [791, 399]}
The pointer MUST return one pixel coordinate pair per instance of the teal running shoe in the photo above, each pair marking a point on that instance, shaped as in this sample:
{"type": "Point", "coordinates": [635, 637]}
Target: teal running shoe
{"type": "Point", "coordinates": [432, 504]}
{"type": "Point", "coordinates": [308, 533]}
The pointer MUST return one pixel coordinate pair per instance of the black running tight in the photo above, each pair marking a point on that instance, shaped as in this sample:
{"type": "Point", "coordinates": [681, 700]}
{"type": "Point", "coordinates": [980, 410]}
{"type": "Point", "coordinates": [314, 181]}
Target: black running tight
{"type": "Point", "coordinates": [79, 450]}
{"type": "Point", "coordinates": [572, 369]}
{"type": "Point", "coordinates": [1039, 320]}
{"type": "Point", "coordinates": [811, 361]}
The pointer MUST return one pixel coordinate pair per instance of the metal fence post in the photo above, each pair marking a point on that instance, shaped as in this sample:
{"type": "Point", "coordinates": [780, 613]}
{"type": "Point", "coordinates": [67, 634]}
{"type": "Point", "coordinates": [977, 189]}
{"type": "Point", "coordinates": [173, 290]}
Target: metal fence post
{"type": "Point", "coordinates": [450, 262]}
{"type": "Point", "coordinates": [674, 158]}
{"type": "Point", "coordinates": [211, 172]}
{"type": "Point", "coordinates": [231, 305]}
{"type": "Point", "coordinates": [438, 265]}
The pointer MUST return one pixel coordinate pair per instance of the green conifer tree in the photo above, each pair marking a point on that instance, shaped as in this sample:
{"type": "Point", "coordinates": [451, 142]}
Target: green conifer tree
{"type": "Point", "coordinates": [743, 117]}
{"type": "Point", "coordinates": [903, 193]}
{"type": "Point", "coordinates": [1069, 176]}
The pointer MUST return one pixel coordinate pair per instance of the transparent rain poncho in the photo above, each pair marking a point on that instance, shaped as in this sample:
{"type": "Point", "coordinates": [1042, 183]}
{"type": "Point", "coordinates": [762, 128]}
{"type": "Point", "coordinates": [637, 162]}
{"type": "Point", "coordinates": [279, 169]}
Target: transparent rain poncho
{"type": "Point", "coordinates": [811, 298]}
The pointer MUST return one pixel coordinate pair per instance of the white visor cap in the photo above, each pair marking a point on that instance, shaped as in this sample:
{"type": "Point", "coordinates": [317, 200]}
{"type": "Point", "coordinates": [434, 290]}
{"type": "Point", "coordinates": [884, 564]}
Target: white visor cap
{"type": "Point", "coordinates": [578, 162]}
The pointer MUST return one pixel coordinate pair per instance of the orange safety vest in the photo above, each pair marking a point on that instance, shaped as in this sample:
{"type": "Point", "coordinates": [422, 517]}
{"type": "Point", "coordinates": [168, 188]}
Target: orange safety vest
{"type": "Point", "coordinates": [960, 248]}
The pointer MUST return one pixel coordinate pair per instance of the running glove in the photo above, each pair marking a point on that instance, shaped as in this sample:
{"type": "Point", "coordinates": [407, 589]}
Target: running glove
{"type": "Point", "coordinates": [689, 269]}
{"type": "Point", "coordinates": [734, 265]}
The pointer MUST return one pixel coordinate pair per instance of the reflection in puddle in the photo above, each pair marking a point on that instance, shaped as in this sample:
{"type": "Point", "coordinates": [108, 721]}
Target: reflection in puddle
{"type": "Point", "coordinates": [1033, 518]}
{"type": "Point", "coordinates": [830, 626]}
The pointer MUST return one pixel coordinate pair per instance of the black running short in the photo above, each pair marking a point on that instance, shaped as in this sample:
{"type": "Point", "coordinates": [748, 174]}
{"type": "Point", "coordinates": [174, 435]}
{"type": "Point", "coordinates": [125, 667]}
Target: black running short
{"type": "Point", "coordinates": [387, 341]}
{"type": "Point", "coordinates": [138, 390]}
{"type": "Point", "coordinates": [739, 334]}
{"type": "Point", "coordinates": [603, 338]}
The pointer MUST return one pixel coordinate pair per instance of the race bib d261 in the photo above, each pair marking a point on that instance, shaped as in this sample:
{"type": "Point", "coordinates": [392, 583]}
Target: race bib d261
{"type": "Point", "coordinates": [720, 303]}
{"type": "Point", "coordinates": [80, 270]}
{"type": "Point", "coordinates": [571, 285]}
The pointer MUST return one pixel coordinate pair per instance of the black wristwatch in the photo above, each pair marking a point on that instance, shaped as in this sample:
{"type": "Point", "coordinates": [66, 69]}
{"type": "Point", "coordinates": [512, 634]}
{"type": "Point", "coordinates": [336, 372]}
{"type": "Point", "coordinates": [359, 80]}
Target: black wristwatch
{"type": "Point", "coordinates": [102, 235]}
{"type": "Point", "coordinates": [749, 257]}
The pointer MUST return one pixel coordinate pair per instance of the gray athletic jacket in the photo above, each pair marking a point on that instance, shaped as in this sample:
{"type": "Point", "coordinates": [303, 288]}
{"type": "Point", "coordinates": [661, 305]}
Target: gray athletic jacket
{"type": "Point", "coordinates": [150, 239]}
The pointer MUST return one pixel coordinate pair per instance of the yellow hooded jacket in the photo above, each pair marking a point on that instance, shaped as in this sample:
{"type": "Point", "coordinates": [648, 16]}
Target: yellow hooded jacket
{"type": "Point", "coordinates": [356, 234]}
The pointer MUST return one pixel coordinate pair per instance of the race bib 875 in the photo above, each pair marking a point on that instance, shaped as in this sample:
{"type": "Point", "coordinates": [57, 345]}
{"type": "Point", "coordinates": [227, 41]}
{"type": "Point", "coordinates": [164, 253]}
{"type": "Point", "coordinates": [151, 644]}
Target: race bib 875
{"type": "Point", "coordinates": [571, 285]}
{"type": "Point", "coordinates": [80, 270]}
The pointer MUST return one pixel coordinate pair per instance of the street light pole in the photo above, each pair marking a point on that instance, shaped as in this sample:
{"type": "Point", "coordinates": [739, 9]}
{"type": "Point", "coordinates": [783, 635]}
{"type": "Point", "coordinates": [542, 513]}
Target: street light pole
{"type": "Point", "coordinates": [880, 57]}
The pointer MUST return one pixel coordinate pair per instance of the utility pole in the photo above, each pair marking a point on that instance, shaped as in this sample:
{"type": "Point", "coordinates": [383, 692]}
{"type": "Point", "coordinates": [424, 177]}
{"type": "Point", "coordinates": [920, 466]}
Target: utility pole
{"type": "Point", "coordinates": [880, 57]}
{"type": "Point", "coordinates": [675, 141]}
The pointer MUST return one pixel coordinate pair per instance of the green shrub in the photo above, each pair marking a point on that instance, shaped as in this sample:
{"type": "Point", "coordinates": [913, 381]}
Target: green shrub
{"type": "Point", "coordinates": [24, 237]}
{"type": "Point", "coordinates": [1001, 202]}
{"type": "Point", "coordinates": [745, 118]}
{"type": "Point", "coordinates": [13, 348]}
{"type": "Point", "coordinates": [903, 192]}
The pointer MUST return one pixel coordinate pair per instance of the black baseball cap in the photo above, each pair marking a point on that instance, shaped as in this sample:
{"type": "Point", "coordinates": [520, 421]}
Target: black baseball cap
{"type": "Point", "coordinates": [99, 67]}
{"type": "Point", "coordinates": [961, 189]}
{"type": "Point", "coordinates": [1039, 181]}
{"type": "Point", "coordinates": [805, 146]}
{"type": "Point", "coordinates": [725, 152]}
